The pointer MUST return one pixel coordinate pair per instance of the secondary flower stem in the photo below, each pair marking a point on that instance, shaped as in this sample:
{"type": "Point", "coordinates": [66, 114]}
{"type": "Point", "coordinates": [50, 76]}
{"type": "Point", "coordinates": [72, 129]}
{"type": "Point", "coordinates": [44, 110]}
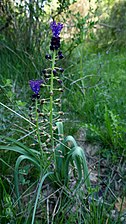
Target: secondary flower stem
{"type": "Point", "coordinates": [51, 99]}
{"type": "Point", "coordinates": [37, 129]}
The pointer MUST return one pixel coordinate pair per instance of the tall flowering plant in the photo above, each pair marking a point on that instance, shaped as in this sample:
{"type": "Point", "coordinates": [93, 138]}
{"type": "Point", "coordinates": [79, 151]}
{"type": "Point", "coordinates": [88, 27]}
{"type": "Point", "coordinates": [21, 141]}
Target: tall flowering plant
{"type": "Point", "coordinates": [45, 118]}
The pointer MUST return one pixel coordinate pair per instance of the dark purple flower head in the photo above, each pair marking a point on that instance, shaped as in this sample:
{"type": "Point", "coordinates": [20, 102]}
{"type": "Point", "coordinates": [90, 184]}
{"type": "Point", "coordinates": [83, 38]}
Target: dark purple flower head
{"type": "Point", "coordinates": [56, 28]}
{"type": "Point", "coordinates": [35, 85]}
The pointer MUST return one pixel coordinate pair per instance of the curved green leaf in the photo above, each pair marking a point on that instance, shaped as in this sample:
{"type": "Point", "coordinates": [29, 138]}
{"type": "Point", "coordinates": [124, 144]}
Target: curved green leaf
{"type": "Point", "coordinates": [29, 150]}
{"type": "Point", "coordinates": [19, 160]}
{"type": "Point", "coordinates": [70, 141]}
{"type": "Point", "coordinates": [77, 161]}
{"type": "Point", "coordinates": [38, 193]}
{"type": "Point", "coordinates": [13, 148]}
{"type": "Point", "coordinates": [60, 129]}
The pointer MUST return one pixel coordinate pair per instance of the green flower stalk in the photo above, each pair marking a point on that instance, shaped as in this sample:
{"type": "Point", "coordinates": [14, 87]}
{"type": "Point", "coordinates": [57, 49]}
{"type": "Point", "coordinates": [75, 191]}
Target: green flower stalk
{"type": "Point", "coordinates": [37, 129]}
{"type": "Point", "coordinates": [55, 45]}
{"type": "Point", "coordinates": [50, 75]}
{"type": "Point", "coordinates": [35, 86]}
{"type": "Point", "coordinates": [51, 99]}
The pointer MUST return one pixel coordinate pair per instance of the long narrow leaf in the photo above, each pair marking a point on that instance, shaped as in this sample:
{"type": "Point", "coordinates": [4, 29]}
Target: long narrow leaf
{"type": "Point", "coordinates": [38, 193]}
{"type": "Point", "coordinates": [13, 148]}
{"type": "Point", "coordinates": [16, 172]}
{"type": "Point", "coordinates": [69, 139]}
{"type": "Point", "coordinates": [79, 169]}
{"type": "Point", "coordinates": [60, 129]}
{"type": "Point", "coordinates": [29, 150]}
{"type": "Point", "coordinates": [80, 152]}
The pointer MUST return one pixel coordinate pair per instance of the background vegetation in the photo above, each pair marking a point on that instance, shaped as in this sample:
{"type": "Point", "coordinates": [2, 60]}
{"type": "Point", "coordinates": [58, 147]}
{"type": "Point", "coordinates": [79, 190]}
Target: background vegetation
{"type": "Point", "coordinates": [93, 43]}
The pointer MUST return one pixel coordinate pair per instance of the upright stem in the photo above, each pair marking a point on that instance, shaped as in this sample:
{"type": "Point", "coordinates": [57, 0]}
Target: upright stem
{"type": "Point", "coordinates": [37, 129]}
{"type": "Point", "coordinates": [51, 99]}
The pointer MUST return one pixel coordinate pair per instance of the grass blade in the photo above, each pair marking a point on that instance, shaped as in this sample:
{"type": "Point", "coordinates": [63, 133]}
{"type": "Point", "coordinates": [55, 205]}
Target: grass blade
{"type": "Point", "coordinates": [16, 172]}
{"type": "Point", "coordinates": [38, 193]}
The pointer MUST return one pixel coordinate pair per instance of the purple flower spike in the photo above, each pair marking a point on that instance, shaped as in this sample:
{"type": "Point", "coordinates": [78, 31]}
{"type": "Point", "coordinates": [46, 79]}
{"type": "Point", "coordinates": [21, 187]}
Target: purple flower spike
{"type": "Point", "coordinates": [35, 85]}
{"type": "Point", "coordinates": [56, 28]}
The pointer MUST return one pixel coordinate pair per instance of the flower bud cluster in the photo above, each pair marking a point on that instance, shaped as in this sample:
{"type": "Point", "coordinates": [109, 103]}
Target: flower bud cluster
{"type": "Point", "coordinates": [55, 43]}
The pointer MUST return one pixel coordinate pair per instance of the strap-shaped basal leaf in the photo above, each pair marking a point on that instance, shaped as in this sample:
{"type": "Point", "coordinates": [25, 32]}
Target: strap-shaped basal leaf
{"type": "Point", "coordinates": [13, 148]}
{"type": "Point", "coordinates": [76, 156]}
{"type": "Point", "coordinates": [86, 171]}
{"type": "Point", "coordinates": [60, 129]}
{"type": "Point", "coordinates": [61, 152]}
{"type": "Point", "coordinates": [38, 193]}
{"type": "Point", "coordinates": [66, 168]}
{"type": "Point", "coordinates": [30, 152]}
{"type": "Point", "coordinates": [16, 172]}
{"type": "Point", "coordinates": [27, 149]}
{"type": "Point", "coordinates": [60, 162]}
{"type": "Point", "coordinates": [69, 152]}
{"type": "Point", "coordinates": [78, 164]}
{"type": "Point", "coordinates": [80, 152]}
{"type": "Point", "coordinates": [70, 141]}
{"type": "Point", "coordinates": [75, 160]}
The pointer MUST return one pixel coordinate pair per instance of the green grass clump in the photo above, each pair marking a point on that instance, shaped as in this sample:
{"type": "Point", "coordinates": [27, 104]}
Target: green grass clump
{"type": "Point", "coordinates": [96, 97]}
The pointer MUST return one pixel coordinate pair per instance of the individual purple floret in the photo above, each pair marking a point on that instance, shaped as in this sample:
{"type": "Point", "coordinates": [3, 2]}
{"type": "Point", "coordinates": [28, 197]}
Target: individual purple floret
{"type": "Point", "coordinates": [35, 85]}
{"type": "Point", "coordinates": [56, 28]}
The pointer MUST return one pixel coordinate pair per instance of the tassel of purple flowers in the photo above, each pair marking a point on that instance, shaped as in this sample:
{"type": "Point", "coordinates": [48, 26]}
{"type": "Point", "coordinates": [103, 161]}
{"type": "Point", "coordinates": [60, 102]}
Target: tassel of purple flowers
{"type": "Point", "coordinates": [55, 41]}
{"type": "Point", "coordinates": [35, 87]}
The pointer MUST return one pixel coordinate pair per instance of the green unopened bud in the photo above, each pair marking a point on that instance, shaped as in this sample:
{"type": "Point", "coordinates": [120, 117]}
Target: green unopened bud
{"type": "Point", "coordinates": [45, 120]}
{"type": "Point", "coordinates": [58, 104]}
{"type": "Point", "coordinates": [54, 128]}
{"type": "Point", "coordinates": [43, 133]}
{"type": "Point", "coordinates": [33, 144]}
{"type": "Point", "coordinates": [41, 114]}
{"type": "Point", "coordinates": [51, 93]}
{"type": "Point", "coordinates": [60, 89]}
{"type": "Point", "coordinates": [60, 120]}
{"type": "Point", "coordinates": [42, 101]}
{"type": "Point", "coordinates": [59, 151]}
{"type": "Point", "coordinates": [60, 113]}
{"type": "Point", "coordinates": [58, 100]}
{"type": "Point", "coordinates": [44, 145]}
{"type": "Point", "coordinates": [47, 152]}
{"type": "Point", "coordinates": [61, 156]}
{"type": "Point", "coordinates": [48, 140]}
{"type": "Point", "coordinates": [43, 85]}
{"type": "Point", "coordinates": [60, 139]}
{"type": "Point", "coordinates": [48, 135]}
{"type": "Point", "coordinates": [38, 110]}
